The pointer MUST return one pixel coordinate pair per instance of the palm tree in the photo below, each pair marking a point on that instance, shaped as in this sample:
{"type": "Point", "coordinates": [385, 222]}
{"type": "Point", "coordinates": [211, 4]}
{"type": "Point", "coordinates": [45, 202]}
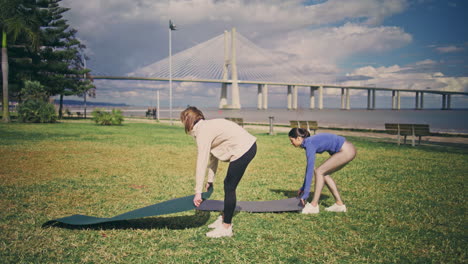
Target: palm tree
{"type": "Point", "coordinates": [6, 112]}
{"type": "Point", "coordinates": [16, 17]}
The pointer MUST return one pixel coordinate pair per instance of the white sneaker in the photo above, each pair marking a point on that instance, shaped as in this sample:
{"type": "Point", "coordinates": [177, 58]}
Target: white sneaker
{"type": "Point", "coordinates": [336, 208]}
{"type": "Point", "coordinates": [217, 222]}
{"type": "Point", "coordinates": [309, 209]}
{"type": "Point", "coordinates": [220, 231]}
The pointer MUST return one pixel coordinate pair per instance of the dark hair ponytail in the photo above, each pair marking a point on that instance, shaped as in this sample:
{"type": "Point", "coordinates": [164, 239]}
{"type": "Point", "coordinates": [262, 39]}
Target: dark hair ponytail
{"type": "Point", "coordinates": [299, 132]}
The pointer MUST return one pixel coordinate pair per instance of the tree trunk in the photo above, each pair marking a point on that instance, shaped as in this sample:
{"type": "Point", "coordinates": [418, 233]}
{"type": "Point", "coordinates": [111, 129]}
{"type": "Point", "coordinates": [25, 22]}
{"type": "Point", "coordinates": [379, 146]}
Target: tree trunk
{"type": "Point", "coordinates": [85, 93]}
{"type": "Point", "coordinates": [60, 107]}
{"type": "Point", "coordinates": [6, 110]}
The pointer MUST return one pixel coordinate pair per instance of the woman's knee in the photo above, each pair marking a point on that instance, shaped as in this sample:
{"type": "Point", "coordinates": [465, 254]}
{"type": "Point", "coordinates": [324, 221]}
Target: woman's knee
{"type": "Point", "coordinates": [229, 188]}
{"type": "Point", "coordinates": [318, 172]}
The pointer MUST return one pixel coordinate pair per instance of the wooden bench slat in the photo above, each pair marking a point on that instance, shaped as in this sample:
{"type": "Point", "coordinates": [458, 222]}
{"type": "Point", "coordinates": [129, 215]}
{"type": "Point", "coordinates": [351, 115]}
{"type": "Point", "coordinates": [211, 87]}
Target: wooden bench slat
{"type": "Point", "coordinates": [391, 128]}
{"type": "Point", "coordinates": [294, 123]}
{"type": "Point", "coordinates": [309, 125]}
{"type": "Point", "coordinates": [421, 130]}
{"type": "Point", "coordinates": [313, 124]}
{"type": "Point", "coordinates": [303, 124]}
{"type": "Point", "coordinates": [415, 130]}
{"type": "Point", "coordinates": [406, 129]}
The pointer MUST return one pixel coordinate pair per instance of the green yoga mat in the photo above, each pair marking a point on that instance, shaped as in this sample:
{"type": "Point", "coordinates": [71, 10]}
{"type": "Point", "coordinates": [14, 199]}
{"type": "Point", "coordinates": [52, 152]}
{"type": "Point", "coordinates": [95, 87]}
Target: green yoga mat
{"type": "Point", "coordinates": [186, 204]}
{"type": "Point", "coordinates": [167, 207]}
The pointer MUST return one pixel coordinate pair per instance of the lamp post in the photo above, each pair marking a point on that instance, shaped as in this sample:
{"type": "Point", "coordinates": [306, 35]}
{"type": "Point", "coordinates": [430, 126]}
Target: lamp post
{"type": "Point", "coordinates": [157, 105]}
{"type": "Point", "coordinates": [171, 27]}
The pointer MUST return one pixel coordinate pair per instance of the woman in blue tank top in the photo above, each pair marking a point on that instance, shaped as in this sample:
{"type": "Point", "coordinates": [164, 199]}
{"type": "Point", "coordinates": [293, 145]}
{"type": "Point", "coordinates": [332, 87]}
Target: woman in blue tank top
{"type": "Point", "coordinates": [341, 153]}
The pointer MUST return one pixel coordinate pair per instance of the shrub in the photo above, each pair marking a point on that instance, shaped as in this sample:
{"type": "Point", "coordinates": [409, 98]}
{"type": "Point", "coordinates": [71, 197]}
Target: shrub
{"type": "Point", "coordinates": [36, 111]}
{"type": "Point", "coordinates": [33, 90]}
{"type": "Point", "coordinates": [102, 117]}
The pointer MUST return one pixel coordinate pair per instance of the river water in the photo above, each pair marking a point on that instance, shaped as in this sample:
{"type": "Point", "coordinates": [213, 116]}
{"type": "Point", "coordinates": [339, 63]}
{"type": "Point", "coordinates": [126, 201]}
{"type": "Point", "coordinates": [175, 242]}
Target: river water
{"type": "Point", "coordinates": [446, 121]}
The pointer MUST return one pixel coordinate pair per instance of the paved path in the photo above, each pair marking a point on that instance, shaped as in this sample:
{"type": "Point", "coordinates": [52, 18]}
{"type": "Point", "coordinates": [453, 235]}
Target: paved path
{"type": "Point", "coordinates": [449, 140]}
{"type": "Point", "coordinates": [457, 141]}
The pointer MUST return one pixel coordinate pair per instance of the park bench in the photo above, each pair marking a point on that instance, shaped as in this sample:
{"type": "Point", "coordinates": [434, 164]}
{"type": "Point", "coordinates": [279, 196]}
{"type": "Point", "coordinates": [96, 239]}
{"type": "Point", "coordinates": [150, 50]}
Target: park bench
{"type": "Point", "coordinates": [309, 125]}
{"type": "Point", "coordinates": [414, 130]}
{"type": "Point", "coordinates": [237, 120]}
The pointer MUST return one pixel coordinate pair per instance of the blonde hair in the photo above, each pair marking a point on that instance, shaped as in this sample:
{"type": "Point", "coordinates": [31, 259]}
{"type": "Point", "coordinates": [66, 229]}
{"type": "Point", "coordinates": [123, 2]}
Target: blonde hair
{"type": "Point", "coordinates": [190, 116]}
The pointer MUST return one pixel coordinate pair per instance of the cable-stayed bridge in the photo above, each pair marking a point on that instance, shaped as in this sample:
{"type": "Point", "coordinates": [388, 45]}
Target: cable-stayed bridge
{"type": "Point", "coordinates": [231, 59]}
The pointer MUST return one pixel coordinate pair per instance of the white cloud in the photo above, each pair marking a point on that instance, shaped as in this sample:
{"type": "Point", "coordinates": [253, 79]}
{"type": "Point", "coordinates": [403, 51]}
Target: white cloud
{"type": "Point", "coordinates": [449, 49]}
{"type": "Point", "coordinates": [374, 12]}
{"type": "Point", "coordinates": [375, 72]}
{"type": "Point", "coordinates": [426, 62]}
{"type": "Point", "coordinates": [409, 77]}
{"type": "Point", "coordinates": [333, 44]}
{"type": "Point", "coordinates": [96, 14]}
{"type": "Point", "coordinates": [124, 35]}
{"type": "Point", "coordinates": [319, 51]}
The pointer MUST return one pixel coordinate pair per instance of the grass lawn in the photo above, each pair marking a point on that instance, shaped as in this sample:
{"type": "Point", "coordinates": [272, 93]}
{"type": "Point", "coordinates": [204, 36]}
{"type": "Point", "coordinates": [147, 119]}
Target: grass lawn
{"type": "Point", "coordinates": [405, 204]}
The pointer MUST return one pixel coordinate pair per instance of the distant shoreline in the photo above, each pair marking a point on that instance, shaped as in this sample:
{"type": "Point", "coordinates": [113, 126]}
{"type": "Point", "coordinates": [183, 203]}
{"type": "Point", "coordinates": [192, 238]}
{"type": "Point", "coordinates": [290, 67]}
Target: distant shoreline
{"type": "Point", "coordinates": [441, 121]}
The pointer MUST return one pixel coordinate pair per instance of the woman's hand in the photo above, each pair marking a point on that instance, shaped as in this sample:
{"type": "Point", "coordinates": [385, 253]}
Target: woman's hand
{"type": "Point", "coordinates": [197, 199]}
{"type": "Point", "coordinates": [303, 202]}
{"type": "Point", "coordinates": [300, 192]}
{"type": "Point", "coordinates": [208, 185]}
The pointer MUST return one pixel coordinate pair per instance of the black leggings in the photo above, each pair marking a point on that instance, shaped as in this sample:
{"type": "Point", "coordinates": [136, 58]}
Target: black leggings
{"type": "Point", "coordinates": [234, 174]}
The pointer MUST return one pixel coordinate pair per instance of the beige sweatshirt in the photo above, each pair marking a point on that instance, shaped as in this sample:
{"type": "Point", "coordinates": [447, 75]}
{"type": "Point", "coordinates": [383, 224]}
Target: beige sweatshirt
{"type": "Point", "coordinates": [218, 139]}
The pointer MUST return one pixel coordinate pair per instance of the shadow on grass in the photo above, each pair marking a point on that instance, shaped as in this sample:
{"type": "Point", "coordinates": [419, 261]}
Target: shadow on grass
{"type": "Point", "coordinates": [200, 218]}
{"type": "Point", "coordinates": [286, 193]}
{"type": "Point", "coordinates": [291, 194]}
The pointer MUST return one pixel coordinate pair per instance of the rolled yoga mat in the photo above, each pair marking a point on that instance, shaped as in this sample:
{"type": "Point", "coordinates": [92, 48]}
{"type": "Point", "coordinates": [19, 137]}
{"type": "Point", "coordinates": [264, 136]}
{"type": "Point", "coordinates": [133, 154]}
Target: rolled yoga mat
{"type": "Point", "coordinates": [186, 204]}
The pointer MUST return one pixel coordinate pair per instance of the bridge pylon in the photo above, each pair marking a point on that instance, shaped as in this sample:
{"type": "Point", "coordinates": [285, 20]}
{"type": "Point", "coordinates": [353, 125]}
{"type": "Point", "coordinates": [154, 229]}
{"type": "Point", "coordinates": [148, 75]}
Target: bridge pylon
{"type": "Point", "coordinates": [230, 60]}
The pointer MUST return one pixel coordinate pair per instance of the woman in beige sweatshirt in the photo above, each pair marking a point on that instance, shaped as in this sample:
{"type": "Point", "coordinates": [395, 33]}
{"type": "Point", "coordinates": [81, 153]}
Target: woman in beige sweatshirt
{"type": "Point", "coordinates": [219, 139]}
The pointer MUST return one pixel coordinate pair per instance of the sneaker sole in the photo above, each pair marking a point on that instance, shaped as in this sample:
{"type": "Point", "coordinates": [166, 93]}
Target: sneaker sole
{"type": "Point", "coordinates": [219, 236]}
{"type": "Point", "coordinates": [343, 211]}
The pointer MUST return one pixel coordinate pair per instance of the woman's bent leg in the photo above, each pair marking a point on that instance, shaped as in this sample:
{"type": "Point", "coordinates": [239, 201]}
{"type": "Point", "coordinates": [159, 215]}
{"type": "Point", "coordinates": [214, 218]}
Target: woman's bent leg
{"type": "Point", "coordinates": [319, 180]}
{"type": "Point", "coordinates": [332, 164]}
{"type": "Point", "coordinates": [234, 175]}
{"type": "Point", "coordinates": [333, 189]}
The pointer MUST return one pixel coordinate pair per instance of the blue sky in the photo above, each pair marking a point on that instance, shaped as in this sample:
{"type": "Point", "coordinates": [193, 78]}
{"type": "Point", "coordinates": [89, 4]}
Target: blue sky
{"type": "Point", "coordinates": [433, 24]}
{"type": "Point", "coordinates": [411, 44]}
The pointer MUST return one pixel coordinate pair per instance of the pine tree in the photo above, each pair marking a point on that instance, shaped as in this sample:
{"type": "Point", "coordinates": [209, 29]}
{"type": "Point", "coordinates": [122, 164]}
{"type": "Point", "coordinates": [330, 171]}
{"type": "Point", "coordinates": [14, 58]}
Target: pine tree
{"type": "Point", "coordinates": [61, 64]}
{"type": "Point", "coordinates": [42, 47]}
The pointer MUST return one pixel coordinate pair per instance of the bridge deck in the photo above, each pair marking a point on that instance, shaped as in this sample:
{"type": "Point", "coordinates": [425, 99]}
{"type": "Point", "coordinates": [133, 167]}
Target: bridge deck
{"type": "Point", "coordinates": [100, 77]}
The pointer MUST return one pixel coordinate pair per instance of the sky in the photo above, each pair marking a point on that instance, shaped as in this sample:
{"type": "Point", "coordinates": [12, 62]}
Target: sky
{"type": "Point", "coordinates": [410, 44]}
